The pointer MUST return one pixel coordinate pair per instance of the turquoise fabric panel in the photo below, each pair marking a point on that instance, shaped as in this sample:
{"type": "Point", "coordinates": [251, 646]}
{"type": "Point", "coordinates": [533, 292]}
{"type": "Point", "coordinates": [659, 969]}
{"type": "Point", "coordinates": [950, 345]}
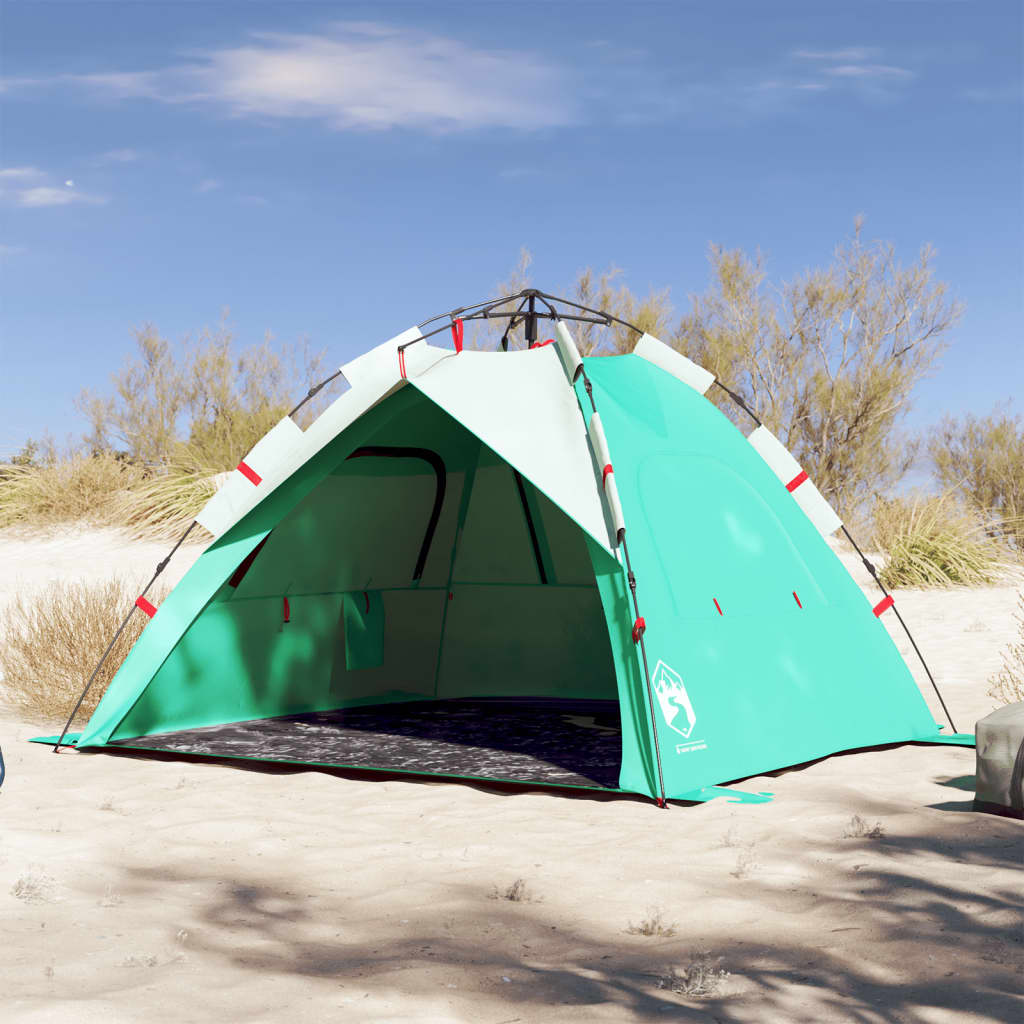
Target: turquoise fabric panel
{"type": "Point", "coordinates": [363, 614]}
{"type": "Point", "coordinates": [756, 682]}
{"type": "Point", "coordinates": [525, 641]}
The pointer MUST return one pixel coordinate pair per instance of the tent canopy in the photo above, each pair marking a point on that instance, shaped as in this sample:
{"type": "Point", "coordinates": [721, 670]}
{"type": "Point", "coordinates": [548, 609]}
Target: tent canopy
{"type": "Point", "coordinates": [437, 565]}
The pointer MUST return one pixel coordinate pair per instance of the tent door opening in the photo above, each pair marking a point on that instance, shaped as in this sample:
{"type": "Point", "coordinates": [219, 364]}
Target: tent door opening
{"type": "Point", "coordinates": [444, 618]}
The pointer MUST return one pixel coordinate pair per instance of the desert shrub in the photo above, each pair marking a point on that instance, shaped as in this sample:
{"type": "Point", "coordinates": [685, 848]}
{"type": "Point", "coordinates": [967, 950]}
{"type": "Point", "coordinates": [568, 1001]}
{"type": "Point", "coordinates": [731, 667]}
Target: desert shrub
{"type": "Point", "coordinates": [653, 925]}
{"type": "Point", "coordinates": [168, 500]}
{"type": "Point", "coordinates": [698, 979]}
{"type": "Point", "coordinates": [52, 640]}
{"type": "Point", "coordinates": [517, 892]}
{"type": "Point", "coordinates": [830, 360]}
{"type": "Point", "coordinates": [858, 828]}
{"type": "Point", "coordinates": [78, 487]}
{"type": "Point", "coordinates": [983, 458]}
{"type": "Point", "coordinates": [1007, 685]}
{"type": "Point", "coordinates": [934, 542]}
{"type": "Point", "coordinates": [209, 394]}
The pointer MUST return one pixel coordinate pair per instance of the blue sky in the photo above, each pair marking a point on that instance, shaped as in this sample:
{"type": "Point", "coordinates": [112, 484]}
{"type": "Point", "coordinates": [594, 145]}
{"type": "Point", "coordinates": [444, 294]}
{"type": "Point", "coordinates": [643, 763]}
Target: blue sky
{"type": "Point", "coordinates": [337, 172]}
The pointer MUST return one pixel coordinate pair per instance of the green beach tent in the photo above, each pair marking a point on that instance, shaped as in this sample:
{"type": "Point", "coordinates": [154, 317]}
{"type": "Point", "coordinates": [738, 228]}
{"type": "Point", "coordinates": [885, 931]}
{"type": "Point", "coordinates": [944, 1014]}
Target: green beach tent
{"type": "Point", "coordinates": [518, 565]}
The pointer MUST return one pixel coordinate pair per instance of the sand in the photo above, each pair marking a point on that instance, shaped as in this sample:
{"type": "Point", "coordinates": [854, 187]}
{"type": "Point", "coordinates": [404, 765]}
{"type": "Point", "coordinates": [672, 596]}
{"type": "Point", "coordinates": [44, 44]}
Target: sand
{"type": "Point", "coordinates": [134, 889]}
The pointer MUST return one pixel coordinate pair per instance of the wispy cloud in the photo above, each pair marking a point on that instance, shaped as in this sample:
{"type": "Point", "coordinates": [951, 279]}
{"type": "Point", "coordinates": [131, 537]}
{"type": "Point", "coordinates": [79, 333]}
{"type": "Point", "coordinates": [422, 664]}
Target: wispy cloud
{"type": "Point", "coordinates": [847, 54]}
{"type": "Point", "coordinates": [32, 188]}
{"type": "Point", "coordinates": [1011, 93]}
{"type": "Point", "coordinates": [50, 195]}
{"type": "Point", "coordinates": [355, 76]}
{"type": "Point", "coordinates": [20, 174]}
{"type": "Point", "coordinates": [209, 185]}
{"type": "Point", "coordinates": [868, 71]}
{"type": "Point", "coordinates": [118, 156]}
{"type": "Point", "coordinates": [856, 65]}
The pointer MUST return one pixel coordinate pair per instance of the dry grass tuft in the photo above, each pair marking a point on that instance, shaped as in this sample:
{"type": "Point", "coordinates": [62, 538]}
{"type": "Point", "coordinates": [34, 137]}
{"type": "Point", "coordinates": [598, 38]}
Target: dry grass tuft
{"type": "Point", "coordinates": [517, 892]}
{"type": "Point", "coordinates": [53, 639]}
{"type": "Point", "coordinates": [1007, 685]}
{"type": "Point", "coordinates": [80, 487]}
{"type": "Point", "coordinates": [33, 887]}
{"type": "Point", "coordinates": [697, 980]}
{"type": "Point", "coordinates": [165, 503]}
{"type": "Point", "coordinates": [935, 542]}
{"type": "Point", "coordinates": [653, 925]}
{"type": "Point", "coordinates": [860, 829]}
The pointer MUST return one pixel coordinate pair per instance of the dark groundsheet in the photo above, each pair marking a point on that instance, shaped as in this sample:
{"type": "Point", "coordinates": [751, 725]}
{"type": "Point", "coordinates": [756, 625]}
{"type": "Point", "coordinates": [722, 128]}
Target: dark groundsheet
{"type": "Point", "coordinates": [557, 742]}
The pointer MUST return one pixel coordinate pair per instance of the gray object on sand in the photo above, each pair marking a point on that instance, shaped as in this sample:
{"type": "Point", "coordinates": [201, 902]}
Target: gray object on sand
{"type": "Point", "coordinates": [1000, 782]}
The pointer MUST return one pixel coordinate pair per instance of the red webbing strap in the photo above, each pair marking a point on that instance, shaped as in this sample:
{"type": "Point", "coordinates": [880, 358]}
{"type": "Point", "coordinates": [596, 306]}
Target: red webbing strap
{"type": "Point", "coordinates": [718, 606]}
{"type": "Point", "coordinates": [249, 473]}
{"type": "Point", "coordinates": [146, 606]}
{"type": "Point", "coordinates": [638, 629]}
{"type": "Point", "coordinates": [286, 610]}
{"type": "Point", "coordinates": [884, 605]}
{"type": "Point", "coordinates": [604, 474]}
{"type": "Point", "coordinates": [457, 326]}
{"type": "Point", "coordinates": [799, 479]}
{"type": "Point", "coordinates": [401, 363]}
{"type": "Point", "coordinates": [541, 344]}
{"type": "Point", "coordinates": [799, 604]}
{"type": "Point", "coordinates": [367, 596]}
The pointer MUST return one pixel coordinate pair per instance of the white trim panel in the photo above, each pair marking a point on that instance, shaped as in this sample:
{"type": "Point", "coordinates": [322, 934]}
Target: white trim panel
{"type": "Point", "coordinates": [671, 361]}
{"type": "Point", "coordinates": [788, 470]}
{"type": "Point", "coordinates": [518, 404]}
{"type": "Point", "coordinates": [278, 449]}
{"type": "Point", "coordinates": [571, 361]}
{"type": "Point", "coordinates": [372, 376]}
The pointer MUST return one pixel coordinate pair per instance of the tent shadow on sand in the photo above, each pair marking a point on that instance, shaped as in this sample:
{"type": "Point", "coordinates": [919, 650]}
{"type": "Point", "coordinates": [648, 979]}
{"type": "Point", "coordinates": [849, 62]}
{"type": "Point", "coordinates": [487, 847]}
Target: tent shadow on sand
{"type": "Point", "coordinates": [901, 945]}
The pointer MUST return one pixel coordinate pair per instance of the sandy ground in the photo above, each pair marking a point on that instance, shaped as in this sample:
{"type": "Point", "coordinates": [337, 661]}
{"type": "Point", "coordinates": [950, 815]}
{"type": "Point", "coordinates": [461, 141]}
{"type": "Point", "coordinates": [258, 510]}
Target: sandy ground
{"type": "Point", "coordinates": [137, 889]}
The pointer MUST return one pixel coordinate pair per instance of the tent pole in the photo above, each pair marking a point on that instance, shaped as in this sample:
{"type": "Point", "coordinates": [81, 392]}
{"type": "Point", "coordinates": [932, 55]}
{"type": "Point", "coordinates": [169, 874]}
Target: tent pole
{"type": "Point", "coordinates": [120, 629]}
{"type": "Point", "coordinates": [906, 629]}
{"type": "Point", "coordinates": [662, 802]}
{"type": "Point", "coordinates": [639, 629]}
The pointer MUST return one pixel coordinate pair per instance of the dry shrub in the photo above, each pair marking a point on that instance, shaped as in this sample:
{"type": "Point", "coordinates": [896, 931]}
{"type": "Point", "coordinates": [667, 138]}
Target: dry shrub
{"type": "Point", "coordinates": [1007, 685]}
{"type": "Point", "coordinates": [80, 487]}
{"type": "Point", "coordinates": [165, 503]}
{"type": "Point", "coordinates": [697, 980]}
{"type": "Point", "coordinates": [517, 892]}
{"type": "Point", "coordinates": [653, 925]}
{"type": "Point", "coordinates": [983, 457]}
{"type": "Point", "coordinates": [54, 638]}
{"type": "Point", "coordinates": [829, 360]}
{"type": "Point", "coordinates": [858, 828]}
{"type": "Point", "coordinates": [217, 397]}
{"type": "Point", "coordinates": [934, 542]}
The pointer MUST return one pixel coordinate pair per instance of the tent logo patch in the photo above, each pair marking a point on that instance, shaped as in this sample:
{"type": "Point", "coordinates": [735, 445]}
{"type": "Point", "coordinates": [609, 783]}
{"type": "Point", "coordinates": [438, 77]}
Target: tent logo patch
{"type": "Point", "coordinates": [675, 704]}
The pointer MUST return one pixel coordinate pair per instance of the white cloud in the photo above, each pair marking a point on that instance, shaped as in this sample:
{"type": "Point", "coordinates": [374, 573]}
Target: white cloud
{"type": "Point", "coordinates": [48, 195]}
{"type": "Point", "coordinates": [20, 174]}
{"type": "Point", "coordinates": [868, 71]}
{"type": "Point", "coordinates": [31, 187]}
{"type": "Point", "coordinates": [358, 75]}
{"type": "Point", "coordinates": [209, 185]}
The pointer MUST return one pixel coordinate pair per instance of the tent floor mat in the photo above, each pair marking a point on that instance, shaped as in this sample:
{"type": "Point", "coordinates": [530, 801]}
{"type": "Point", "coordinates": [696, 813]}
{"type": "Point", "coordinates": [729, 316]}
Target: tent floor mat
{"type": "Point", "coordinates": [553, 742]}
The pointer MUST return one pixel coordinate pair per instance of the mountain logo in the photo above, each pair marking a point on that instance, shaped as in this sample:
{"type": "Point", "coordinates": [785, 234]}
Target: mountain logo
{"type": "Point", "coordinates": [675, 704]}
